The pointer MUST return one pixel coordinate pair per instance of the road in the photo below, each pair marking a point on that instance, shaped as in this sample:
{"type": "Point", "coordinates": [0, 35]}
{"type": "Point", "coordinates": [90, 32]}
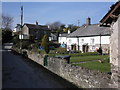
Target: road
{"type": "Point", "coordinates": [19, 72]}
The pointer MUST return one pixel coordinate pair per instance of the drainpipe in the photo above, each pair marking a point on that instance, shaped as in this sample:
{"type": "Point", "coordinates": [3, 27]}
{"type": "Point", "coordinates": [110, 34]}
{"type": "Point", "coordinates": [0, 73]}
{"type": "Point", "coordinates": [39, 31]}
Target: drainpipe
{"type": "Point", "coordinates": [100, 40]}
{"type": "Point", "coordinates": [78, 42]}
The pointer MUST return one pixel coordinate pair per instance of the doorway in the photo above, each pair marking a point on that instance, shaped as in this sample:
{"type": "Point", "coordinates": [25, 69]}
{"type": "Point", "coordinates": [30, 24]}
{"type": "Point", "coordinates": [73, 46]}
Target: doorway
{"type": "Point", "coordinates": [85, 48]}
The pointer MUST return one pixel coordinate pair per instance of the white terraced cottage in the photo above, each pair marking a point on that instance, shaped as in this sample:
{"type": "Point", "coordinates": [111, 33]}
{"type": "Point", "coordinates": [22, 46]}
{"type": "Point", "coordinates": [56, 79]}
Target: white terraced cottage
{"type": "Point", "coordinates": [88, 38]}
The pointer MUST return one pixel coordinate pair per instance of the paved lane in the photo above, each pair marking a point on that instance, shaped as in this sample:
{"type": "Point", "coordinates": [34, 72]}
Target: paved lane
{"type": "Point", "coordinates": [19, 72]}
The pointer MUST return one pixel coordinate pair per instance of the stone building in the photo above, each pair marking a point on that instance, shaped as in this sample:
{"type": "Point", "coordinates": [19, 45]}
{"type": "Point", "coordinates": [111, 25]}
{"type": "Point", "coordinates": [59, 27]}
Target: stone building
{"type": "Point", "coordinates": [34, 31]}
{"type": "Point", "coordinates": [112, 19]}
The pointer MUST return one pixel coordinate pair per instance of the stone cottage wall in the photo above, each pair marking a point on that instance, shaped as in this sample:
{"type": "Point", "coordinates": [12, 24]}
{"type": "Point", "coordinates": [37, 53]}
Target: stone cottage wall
{"type": "Point", "coordinates": [115, 53]}
{"type": "Point", "coordinates": [82, 77]}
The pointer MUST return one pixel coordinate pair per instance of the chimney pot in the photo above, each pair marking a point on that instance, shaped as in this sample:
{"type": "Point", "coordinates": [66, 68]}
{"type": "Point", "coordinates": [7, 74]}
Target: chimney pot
{"type": "Point", "coordinates": [88, 21]}
{"type": "Point", "coordinates": [36, 23]}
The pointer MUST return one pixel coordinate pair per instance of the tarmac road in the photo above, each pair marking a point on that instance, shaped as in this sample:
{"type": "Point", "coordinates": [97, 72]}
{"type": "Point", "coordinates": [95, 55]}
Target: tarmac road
{"type": "Point", "coordinates": [19, 72]}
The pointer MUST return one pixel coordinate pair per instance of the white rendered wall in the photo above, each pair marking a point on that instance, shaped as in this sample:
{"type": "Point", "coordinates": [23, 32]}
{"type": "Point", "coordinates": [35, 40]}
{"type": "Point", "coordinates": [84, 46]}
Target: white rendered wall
{"type": "Point", "coordinates": [62, 39]}
{"type": "Point", "coordinates": [87, 40]}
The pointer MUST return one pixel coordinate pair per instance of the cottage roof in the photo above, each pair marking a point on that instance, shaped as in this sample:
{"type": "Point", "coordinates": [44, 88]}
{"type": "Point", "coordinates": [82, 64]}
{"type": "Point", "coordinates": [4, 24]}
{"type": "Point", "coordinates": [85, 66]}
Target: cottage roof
{"type": "Point", "coordinates": [63, 35]}
{"type": "Point", "coordinates": [90, 30]}
{"type": "Point", "coordinates": [34, 26]}
{"type": "Point", "coordinates": [53, 35]}
{"type": "Point", "coordinates": [18, 25]}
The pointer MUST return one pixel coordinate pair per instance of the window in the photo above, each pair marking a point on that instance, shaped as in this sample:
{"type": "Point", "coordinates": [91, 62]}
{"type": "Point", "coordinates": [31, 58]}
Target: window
{"type": "Point", "coordinates": [92, 40]}
{"type": "Point", "coordinates": [70, 41]}
{"type": "Point", "coordinates": [82, 40]}
{"type": "Point", "coordinates": [60, 38]}
{"type": "Point", "coordinates": [93, 47]}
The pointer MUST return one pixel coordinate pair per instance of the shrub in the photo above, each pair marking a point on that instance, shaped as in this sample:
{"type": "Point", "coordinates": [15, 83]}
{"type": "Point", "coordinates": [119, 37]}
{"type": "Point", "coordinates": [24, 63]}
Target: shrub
{"type": "Point", "coordinates": [16, 39]}
{"type": "Point", "coordinates": [99, 51]}
{"type": "Point", "coordinates": [55, 45]}
{"type": "Point", "coordinates": [45, 43]}
{"type": "Point", "coordinates": [61, 50]}
{"type": "Point", "coordinates": [6, 35]}
{"type": "Point", "coordinates": [26, 44]}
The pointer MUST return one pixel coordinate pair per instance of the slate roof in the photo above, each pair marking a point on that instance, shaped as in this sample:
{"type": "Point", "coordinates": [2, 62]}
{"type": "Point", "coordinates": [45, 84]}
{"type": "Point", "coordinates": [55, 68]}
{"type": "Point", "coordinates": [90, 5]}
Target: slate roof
{"type": "Point", "coordinates": [53, 35]}
{"type": "Point", "coordinates": [90, 30]}
{"type": "Point", "coordinates": [63, 35]}
{"type": "Point", "coordinates": [34, 26]}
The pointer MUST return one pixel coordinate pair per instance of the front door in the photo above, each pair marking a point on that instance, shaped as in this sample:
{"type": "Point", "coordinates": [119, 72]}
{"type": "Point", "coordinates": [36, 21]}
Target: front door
{"type": "Point", "coordinates": [85, 48]}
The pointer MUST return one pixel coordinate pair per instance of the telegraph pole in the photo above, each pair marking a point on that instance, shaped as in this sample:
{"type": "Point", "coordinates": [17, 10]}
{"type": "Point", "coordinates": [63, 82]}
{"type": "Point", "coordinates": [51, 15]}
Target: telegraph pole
{"type": "Point", "coordinates": [21, 15]}
{"type": "Point", "coordinates": [21, 27]}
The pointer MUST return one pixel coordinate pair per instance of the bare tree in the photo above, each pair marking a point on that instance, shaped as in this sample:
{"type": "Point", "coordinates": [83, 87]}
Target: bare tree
{"type": "Point", "coordinates": [55, 25]}
{"type": "Point", "coordinates": [7, 21]}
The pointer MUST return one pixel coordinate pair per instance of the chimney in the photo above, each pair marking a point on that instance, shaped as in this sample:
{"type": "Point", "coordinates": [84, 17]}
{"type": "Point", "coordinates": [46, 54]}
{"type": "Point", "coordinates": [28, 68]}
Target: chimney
{"type": "Point", "coordinates": [48, 26]}
{"type": "Point", "coordinates": [36, 23]}
{"type": "Point", "coordinates": [68, 31]}
{"type": "Point", "coordinates": [88, 21]}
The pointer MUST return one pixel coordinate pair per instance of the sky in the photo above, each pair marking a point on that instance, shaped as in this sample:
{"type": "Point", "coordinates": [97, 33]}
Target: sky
{"type": "Point", "coordinates": [64, 12]}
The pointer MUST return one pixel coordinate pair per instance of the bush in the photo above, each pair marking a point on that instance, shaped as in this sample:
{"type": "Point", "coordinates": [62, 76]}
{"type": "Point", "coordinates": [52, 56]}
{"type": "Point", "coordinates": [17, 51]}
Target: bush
{"type": "Point", "coordinates": [45, 43]}
{"type": "Point", "coordinates": [99, 51]}
{"type": "Point", "coordinates": [16, 39]}
{"type": "Point", "coordinates": [6, 35]}
{"type": "Point", "coordinates": [26, 44]}
{"type": "Point", "coordinates": [55, 45]}
{"type": "Point", "coordinates": [61, 50]}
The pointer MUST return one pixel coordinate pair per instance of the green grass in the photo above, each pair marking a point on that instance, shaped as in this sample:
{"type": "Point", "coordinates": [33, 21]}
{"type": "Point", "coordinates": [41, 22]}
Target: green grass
{"type": "Point", "coordinates": [103, 67]}
{"type": "Point", "coordinates": [88, 58]}
{"type": "Point", "coordinates": [95, 65]}
{"type": "Point", "coordinates": [52, 53]}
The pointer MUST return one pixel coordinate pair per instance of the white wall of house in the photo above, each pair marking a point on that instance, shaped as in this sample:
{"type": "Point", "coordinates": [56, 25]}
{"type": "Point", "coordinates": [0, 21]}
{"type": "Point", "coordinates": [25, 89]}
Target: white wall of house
{"type": "Point", "coordinates": [15, 30]}
{"type": "Point", "coordinates": [23, 37]}
{"type": "Point", "coordinates": [94, 40]}
{"type": "Point", "coordinates": [62, 39]}
{"type": "Point", "coordinates": [91, 41]}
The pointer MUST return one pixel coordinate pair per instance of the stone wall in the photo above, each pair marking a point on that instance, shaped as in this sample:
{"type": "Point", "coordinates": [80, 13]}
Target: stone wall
{"type": "Point", "coordinates": [36, 57]}
{"type": "Point", "coordinates": [82, 77]}
{"type": "Point", "coordinates": [115, 53]}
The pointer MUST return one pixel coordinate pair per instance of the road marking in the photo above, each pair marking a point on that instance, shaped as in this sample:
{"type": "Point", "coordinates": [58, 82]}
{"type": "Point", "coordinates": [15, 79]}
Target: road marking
{"type": "Point", "coordinates": [5, 50]}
